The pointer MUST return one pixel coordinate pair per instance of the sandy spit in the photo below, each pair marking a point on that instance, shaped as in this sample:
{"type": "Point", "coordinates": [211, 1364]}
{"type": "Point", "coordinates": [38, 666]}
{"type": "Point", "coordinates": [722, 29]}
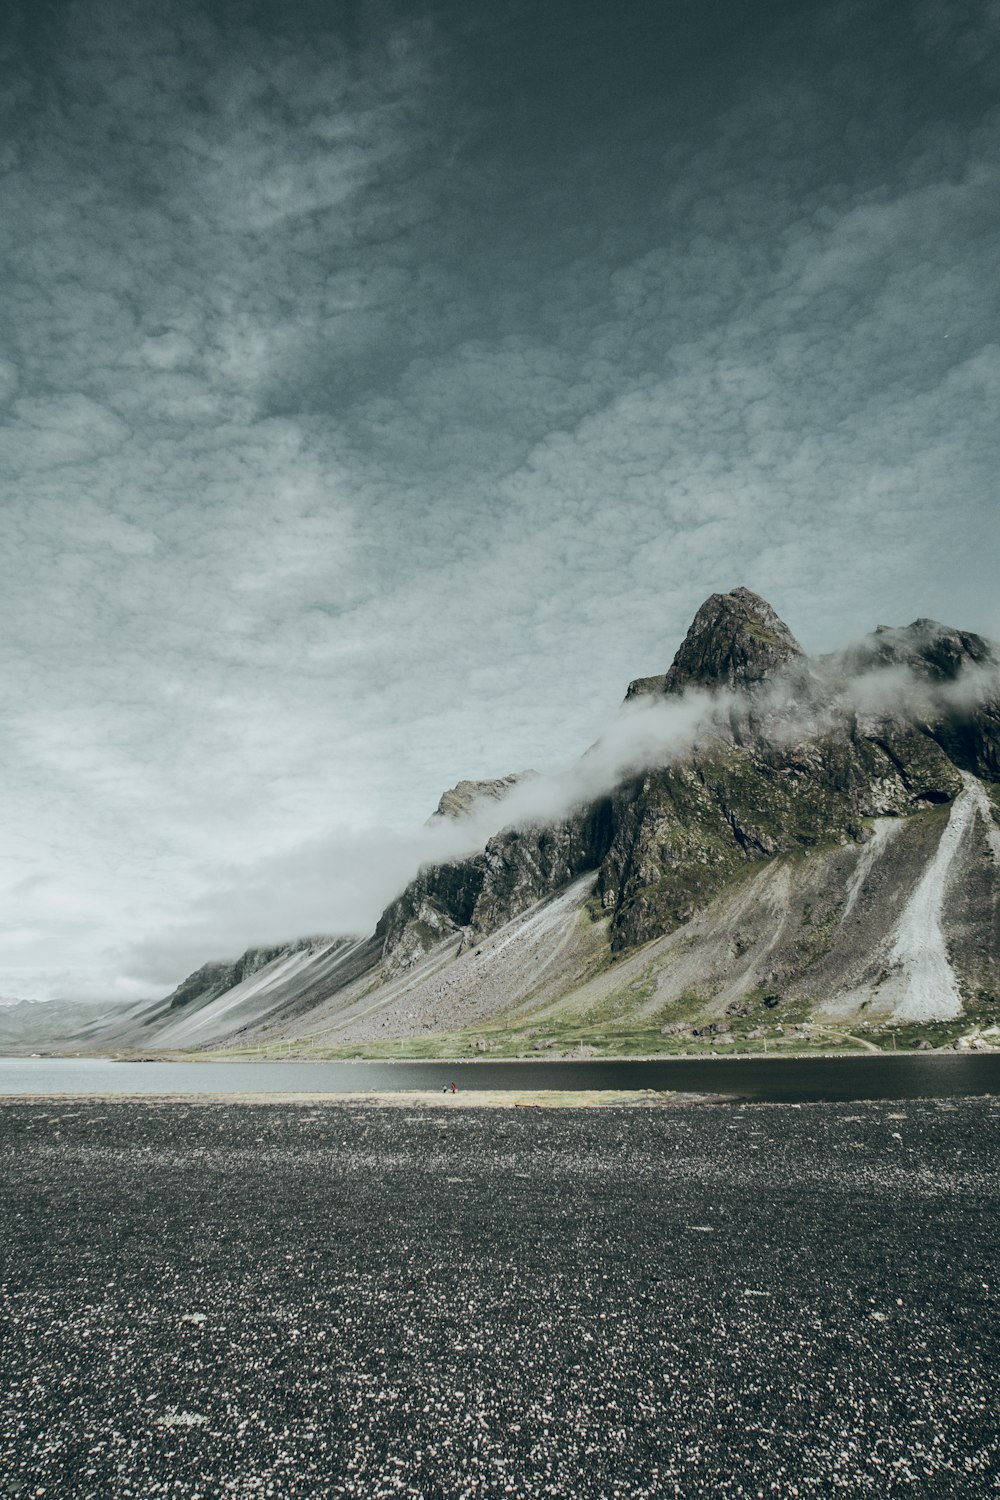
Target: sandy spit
{"type": "Point", "coordinates": [423, 1098]}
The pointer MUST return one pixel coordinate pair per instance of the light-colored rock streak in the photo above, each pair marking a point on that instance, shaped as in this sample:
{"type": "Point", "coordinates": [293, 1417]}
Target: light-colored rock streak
{"type": "Point", "coordinates": [882, 831]}
{"type": "Point", "coordinates": [249, 1001]}
{"type": "Point", "coordinates": [919, 952]}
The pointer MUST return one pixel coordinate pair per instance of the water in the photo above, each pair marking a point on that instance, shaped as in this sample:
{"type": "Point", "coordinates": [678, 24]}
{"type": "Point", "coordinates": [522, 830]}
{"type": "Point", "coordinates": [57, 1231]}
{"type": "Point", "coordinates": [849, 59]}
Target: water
{"type": "Point", "coordinates": [779, 1080]}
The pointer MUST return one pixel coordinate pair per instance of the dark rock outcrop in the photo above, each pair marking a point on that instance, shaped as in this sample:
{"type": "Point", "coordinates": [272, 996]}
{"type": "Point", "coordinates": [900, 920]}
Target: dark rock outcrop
{"type": "Point", "coordinates": [930, 650]}
{"type": "Point", "coordinates": [960, 672]}
{"type": "Point", "coordinates": [645, 687]}
{"type": "Point", "coordinates": [471, 898]}
{"type": "Point", "coordinates": [439, 903]}
{"type": "Point", "coordinates": [523, 865]}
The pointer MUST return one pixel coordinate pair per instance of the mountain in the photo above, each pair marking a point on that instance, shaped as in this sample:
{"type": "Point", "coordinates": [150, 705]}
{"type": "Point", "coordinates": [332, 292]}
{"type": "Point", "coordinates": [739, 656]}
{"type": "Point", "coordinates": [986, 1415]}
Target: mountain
{"type": "Point", "coordinates": [223, 999]}
{"type": "Point", "coordinates": [26, 1025]}
{"type": "Point", "coordinates": [820, 850]}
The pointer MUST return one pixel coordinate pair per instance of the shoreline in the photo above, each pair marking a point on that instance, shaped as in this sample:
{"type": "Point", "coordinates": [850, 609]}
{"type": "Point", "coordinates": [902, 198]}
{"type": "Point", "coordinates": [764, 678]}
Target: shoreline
{"type": "Point", "coordinates": [475, 1099]}
{"type": "Point", "coordinates": [604, 1059]}
{"type": "Point", "coordinates": [418, 1098]}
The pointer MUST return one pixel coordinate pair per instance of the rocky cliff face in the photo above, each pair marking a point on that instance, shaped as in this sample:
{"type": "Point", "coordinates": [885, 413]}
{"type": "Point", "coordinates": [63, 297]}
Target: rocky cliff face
{"type": "Point", "coordinates": [468, 899]}
{"type": "Point", "coordinates": [683, 831]}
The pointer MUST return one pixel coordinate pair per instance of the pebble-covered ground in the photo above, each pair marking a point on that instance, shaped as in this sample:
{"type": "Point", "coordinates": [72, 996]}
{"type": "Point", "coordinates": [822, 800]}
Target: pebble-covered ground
{"type": "Point", "coordinates": [341, 1300]}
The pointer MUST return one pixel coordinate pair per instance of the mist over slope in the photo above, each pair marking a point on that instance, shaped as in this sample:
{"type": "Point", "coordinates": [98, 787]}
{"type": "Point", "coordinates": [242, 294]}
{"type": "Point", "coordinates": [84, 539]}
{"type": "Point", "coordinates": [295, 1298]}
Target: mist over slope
{"type": "Point", "coordinates": [758, 834]}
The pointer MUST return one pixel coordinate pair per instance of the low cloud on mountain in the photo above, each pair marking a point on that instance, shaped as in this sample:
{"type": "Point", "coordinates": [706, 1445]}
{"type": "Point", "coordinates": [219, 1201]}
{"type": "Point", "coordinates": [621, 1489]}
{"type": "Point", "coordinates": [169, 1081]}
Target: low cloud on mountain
{"type": "Point", "coordinates": [340, 883]}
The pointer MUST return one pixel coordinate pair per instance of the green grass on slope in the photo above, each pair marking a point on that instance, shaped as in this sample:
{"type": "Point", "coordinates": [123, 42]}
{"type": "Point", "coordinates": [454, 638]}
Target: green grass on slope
{"type": "Point", "coordinates": [554, 1042]}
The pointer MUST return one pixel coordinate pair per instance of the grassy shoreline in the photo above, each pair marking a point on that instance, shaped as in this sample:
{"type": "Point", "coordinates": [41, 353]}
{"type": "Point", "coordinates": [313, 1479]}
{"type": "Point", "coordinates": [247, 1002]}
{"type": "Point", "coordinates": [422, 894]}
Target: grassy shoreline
{"type": "Point", "coordinates": [573, 1043]}
{"type": "Point", "coordinates": [790, 1052]}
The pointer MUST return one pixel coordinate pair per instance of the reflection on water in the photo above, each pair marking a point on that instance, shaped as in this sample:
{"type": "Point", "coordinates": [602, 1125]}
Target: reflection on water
{"type": "Point", "coordinates": [787, 1080]}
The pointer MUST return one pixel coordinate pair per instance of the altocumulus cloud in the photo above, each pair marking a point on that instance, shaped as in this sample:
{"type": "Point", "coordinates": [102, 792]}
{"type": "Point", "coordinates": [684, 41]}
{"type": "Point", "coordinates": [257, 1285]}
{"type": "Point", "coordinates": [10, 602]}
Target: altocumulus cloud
{"type": "Point", "coordinates": [379, 395]}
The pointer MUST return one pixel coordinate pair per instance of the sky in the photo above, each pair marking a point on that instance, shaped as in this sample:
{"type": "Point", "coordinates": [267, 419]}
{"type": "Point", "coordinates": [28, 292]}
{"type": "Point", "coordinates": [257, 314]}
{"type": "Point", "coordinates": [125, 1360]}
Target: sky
{"type": "Point", "coordinates": [383, 386]}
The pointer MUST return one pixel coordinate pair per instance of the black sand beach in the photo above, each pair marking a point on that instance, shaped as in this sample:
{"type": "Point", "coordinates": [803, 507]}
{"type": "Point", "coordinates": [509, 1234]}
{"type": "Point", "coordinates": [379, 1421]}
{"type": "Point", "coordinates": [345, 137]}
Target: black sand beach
{"type": "Point", "coordinates": [329, 1299]}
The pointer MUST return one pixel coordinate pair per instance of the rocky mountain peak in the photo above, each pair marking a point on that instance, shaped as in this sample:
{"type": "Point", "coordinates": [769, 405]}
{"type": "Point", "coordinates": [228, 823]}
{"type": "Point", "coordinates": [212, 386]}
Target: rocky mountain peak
{"type": "Point", "coordinates": [929, 649]}
{"type": "Point", "coordinates": [645, 687]}
{"type": "Point", "coordinates": [735, 639]}
{"type": "Point", "coordinates": [459, 800]}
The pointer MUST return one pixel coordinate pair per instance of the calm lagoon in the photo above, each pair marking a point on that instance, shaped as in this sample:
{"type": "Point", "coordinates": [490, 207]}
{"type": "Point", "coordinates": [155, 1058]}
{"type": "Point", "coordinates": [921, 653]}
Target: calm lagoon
{"type": "Point", "coordinates": [776, 1080]}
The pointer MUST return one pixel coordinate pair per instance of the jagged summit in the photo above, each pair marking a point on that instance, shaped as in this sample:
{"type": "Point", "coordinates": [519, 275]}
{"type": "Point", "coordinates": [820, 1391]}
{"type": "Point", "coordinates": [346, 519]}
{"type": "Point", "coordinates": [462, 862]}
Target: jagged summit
{"type": "Point", "coordinates": [735, 639]}
{"type": "Point", "coordinates": [929, 649]}
{"type": "Point", "coordinates": [459, 800]}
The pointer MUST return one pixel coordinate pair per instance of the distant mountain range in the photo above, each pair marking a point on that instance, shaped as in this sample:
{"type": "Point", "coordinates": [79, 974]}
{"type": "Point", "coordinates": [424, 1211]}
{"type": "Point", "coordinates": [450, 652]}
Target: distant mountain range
{"type": "Point", "coordinates": [27, 1024]}
{"type": "Point", "coordinates": [818, 860]}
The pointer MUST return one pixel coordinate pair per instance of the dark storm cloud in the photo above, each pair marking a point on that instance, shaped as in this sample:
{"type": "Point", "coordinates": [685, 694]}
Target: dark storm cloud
{"type": "Point", "coordinates": [378, 393]}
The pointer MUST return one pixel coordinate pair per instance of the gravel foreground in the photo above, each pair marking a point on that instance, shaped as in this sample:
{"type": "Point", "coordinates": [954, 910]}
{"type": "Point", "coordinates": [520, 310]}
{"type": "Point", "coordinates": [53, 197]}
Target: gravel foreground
{"type": "Point", "coordinates": [328, 1299]}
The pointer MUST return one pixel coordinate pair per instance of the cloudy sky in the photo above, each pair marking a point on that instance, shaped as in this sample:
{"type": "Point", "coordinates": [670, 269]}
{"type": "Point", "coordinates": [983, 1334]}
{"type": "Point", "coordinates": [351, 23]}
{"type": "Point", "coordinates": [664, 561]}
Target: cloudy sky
{"type": "Point", "coordinates": [382, 386]}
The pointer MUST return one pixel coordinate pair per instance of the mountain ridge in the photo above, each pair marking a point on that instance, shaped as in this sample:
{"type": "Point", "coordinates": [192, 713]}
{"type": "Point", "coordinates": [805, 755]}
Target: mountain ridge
{"type": "Point", "coordinates": [823, 773]}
